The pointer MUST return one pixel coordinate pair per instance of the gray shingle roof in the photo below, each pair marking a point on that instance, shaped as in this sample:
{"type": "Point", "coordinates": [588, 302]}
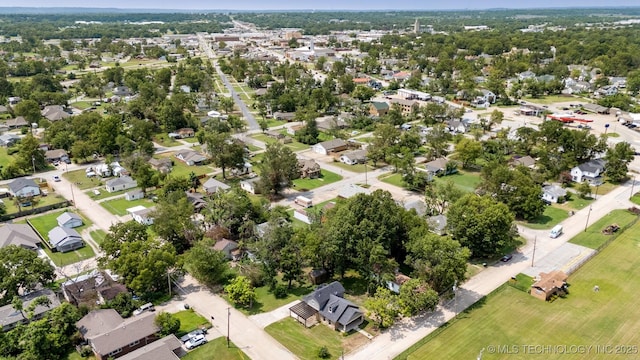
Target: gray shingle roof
{"type": "Point", "coordinates": [20, 183]}
{"type": "Point", "coordinates": [18, 234]}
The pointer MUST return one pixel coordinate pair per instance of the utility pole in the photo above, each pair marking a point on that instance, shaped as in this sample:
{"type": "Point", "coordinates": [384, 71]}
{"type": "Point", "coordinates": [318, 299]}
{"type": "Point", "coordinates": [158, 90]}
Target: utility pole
{"type": "Point", "coordinates": [533, 256]}
{"type": "Point", "coordinates": [228, 317]}
{"type": "Point", "coordinates": [587, 223]}
{"type": "Point", "coordinates": [632, 185]}
{"type": "Point", "coordinates": [365, 171]}
{"type": "Point", "coordinates": [73, 198]}
{"type": "Point", "coordinates": [169, 282]}
{"type": "Point", "coordinates": [33, 162]}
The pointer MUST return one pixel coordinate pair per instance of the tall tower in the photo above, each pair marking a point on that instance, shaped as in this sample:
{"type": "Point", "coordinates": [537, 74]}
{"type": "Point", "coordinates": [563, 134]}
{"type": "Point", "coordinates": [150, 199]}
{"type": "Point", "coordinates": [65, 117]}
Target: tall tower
{"type": "Point", "coordinates": [416, 27]}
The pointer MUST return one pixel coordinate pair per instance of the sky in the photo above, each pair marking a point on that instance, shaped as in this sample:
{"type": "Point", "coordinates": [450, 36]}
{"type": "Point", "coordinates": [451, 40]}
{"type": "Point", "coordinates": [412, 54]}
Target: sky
{"type": "Point", "coordinates": [322, 4]}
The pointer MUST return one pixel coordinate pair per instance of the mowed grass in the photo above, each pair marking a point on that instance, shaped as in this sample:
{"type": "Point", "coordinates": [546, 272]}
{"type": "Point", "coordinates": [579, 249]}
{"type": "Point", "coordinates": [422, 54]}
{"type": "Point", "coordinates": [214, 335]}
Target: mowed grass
{"type": "Point", "coordinates": [466, 181]}
{"type": "Point", "coordinates": [266, 301]}
{"type": "Point", "coordinates": [305, 342]}
{"type": "Point", "coordinates": [393, 179]}
{"type": "Point", "coordinates": [593, 238]}
{"type": "Point", "coordinates": [551, 216]}
{"type": "Point", "coordinates": [180, 169]}
{"type": "Point", "coordinates": [293, 145]}
{"type": "Point", "coordinates": [190, 320]}
{"type": "Point", "coordinates": [216, 348]}
{"type": "Point", "coordinates": [79, 177]}
{"type": "Point", "coordinates": [309, 184]}
{"type": "Point", "coordinates": [511, 317]}
{"type": "Point", "coordinates": [5, 158]}
{"type": "Point", "coordinates": [119, 206]}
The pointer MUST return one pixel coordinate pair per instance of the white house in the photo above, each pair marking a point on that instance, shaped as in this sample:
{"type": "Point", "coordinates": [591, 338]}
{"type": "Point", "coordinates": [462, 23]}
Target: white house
{"type": "Point", "coordinates": [65, 239]}
{"type": "Point", "coordinates": [134, 195]}
{"type": "Point", "coordinates": [69, 220]}
{"type": "Point", "coordinates": [327, 147]}
{"type": "Point", "coordinates": [553, 193]}
{"type": "Point", "coordinates": [354, 157]}
{"type": "Point", "coordinates": [121, 183]}
{"type": "Point", "coordinates": [591, 171]}
{"type": "Point", "coordinates": [24, 187]}
{"type": "Point", "coordinates": [250, 185]}
{"type": "Point", "coordinates": [141, 214]}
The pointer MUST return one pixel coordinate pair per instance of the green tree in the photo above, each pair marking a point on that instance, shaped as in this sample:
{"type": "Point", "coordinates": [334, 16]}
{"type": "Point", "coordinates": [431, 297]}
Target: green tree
{"type": "Point", "coordinates": [29, 155]}
{"type": "Point", "coordinates": [482, 224]}
{"type": "Point", "coordinates": [278, 168]}
{"type": "Point", "coordinates": [468, 151]}
{"type": "Point", "coordinates": [29, 109]}
{"type": "Point", "coordinates": [363, 93]}
{"type": "Point", "coordinates": [123, 303]}
{"type": "Point", "coordinates": [168, 323]}
{"type": "Point", "coordinates": [224, 151]}
{"type": "Point", "coordinates": [584, 190]}
{"type": "Point", "coordinates": [22, 270]}
{"type": "Point", "coordinates": [439, 195]}
{"type": "Point", "coordinates": [241, 292]}
{"type": "Point", "coordinates": [227, 104]}
{"type": "Point", "coordinates": [416, 296]}
{"type": "Point", "coordinates": [382, 308]}
{"type": "Point", "coordinates": [172, 221]}
{"type": "Point", "coordinates": [207, 265]}
{"type": "Point", "coordinates": [618, 158]}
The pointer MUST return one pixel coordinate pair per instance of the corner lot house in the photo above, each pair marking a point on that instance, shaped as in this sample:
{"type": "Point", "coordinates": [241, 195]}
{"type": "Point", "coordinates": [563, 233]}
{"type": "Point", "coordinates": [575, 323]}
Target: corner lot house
{"type": "Point", "coordinates": [309, 169]}
{"type": "Point", "coordinates": [354, 157]}
{"type": "Point", "coordinates": [57, 155]}
{"type": "Point", "coordinates": [549, 284]}
{"type": "Point", "coordinates": [591, 172]}
{"type": "Point", "coordinates": [121, 183]}
{"type": "Point", "coordinates": [24, 187]}
{"type": "Point", "coordinates": [327, 304]}
{"type": "Point", "coordinates": [69, 220]}
{"type": "Point", "coordinates": [10, 317]}
{"type": "Point", "coordinates": [331, 146]}
{"type": "Point", "coordinates": [19, 234]}
{"type": "Point", "coordinates": [141, 214]}
{"type": "Point", "coordinates": [65, 239]}
{"type": "Point", "coordinates": [190, 157]}
{"type": "Point", "coordinates": [251, 185]}
{"type": "Point", "coordinates": [167, 348]}
{"type": "Point", "coordinates": [553, 193]}
{"type": "Point", "coordinates": [111, 336]}
{"type": "Point", "coordinates": [212, 186]}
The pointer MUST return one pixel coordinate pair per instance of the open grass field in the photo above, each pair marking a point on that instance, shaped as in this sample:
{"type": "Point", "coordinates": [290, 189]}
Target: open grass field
{"type": "Point", "coordinates": [119, 206]}
{"type": "Point", "coordinates": [305, 342]}
{"type": "Point", "coordinates": [358, 168]}
{"type": "Point", "coordinates": [165, 140]}
{"type": "Point", "coordinates": [266, 301]}
{"type": "Point", "coordinates": [294, 145]}
{"type": "Point", "coordinates": [219, 348]}
{"type": "Point", "coordinates": [466, 181]}
{"type": "Point", "coordinates": [551, 99]}
{"type": "Point", "coordinates": [98, 236]}
{"type": "Point", "coordinates": [79, 177]}
{"type": "Point", "coordinates": [4, 157]}
{"type": "Point", "coordinates": [393, 179]}
{"type": "Point", "coordinates": [105, 194]}
{"type": "Point", "coordinates": [181, 169]}
{"type": "Point", "coordinates": [41, 201]}
{"type": "Point", "coordinates": [551, 216]}
{"type": "Point", "coordinates": [189, 321]}
{"type": "Point", "coordinates": [593, 237]}
{"type": "Point", "coordinates": [509, 317]}
{"type": "Point", "coordinates": [309, 184]}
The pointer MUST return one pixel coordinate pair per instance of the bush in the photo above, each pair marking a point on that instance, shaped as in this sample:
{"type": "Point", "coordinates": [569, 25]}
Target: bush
{"type": "Point", "coordinates": [280, 291]}
{"type": "Point", "coordinates": [86, 351]}
{"type": "Point", "coordinates": [323, 353]}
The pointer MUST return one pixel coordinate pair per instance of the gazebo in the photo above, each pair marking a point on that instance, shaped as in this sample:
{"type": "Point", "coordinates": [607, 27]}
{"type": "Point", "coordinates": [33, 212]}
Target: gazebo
{"type": "Point", "coordinates": [303, 312]}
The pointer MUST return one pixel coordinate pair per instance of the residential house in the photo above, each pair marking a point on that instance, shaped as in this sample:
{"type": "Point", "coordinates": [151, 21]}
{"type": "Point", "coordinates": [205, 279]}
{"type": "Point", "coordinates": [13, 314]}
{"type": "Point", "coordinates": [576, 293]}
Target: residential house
{"type": "Point", "coordinates": [196, 200]}
{"type": "Point", "coordinates": [251, 185]}
{"type": "Point", "coordinates": [416, 204]}
{"type": "Point", "coordinates": [24, 187]}
{"type": "Point", "coordinates": [135, 194]}
{"type": "Point", "coordinates": [397, 282]}
{"type": "Point", "coordinates": [526, 75]}
{"type": "Point", "coordinates": [69, 220]}
{"type": "Point", "coordinates": [309, 169]}
{"type": "Point", "coordinates": [111, 336]}
{"type": "Point", "coordinates": [212, 186]}
{"type": "Point", "coordinates": [354, 157]}
{"type": "Point", "coordinates": [608, 90]}
{"type": "Point", "coordinates": [549, 284]}
{"type": "Point", "coordinates": [287, 116]}
{"type": "Point", "coordinates": [327, 123]}
{"type": "Point", "coordinates": [3, 128]}
{"type": "Point", "coordinates": [228, 247]}
{"type": "Point", "coordinates": [121, 183]}
{"type": "Point", "coordinates": [57, 155]}
{"type": "Point", "coordinates": [186, 132]}
{"type": "Point", "coordinates": [591, 172]}
{"type": "Point", "coordinates": [553, 194]}
{"type": "Point", "coordinates": [7, 139]}
{"type": "Point", "coordinates": [351, 190]}
{"type": "Point", "coordinates": [54, 113]}
{"type": "Point", "coordinates": [457, 126]}
{"type": "Point", "coordinates": [330, 146]}
{"type": "Point", "coordinates": [141, 214]}
{"type": "Point", "coordinates": [122, 91]}
{"type": "Point", "coordinates": [526, 161]}
{"type": "Point", "coordinates": [10, 317]}
{"type": "Point", "coordinates": [487, 96]}
{"type": "Point", "coordinates": [378, 108]}
{"type": "Point", "coordinates": [17, 122]}
{"type": "Point", "coordinates": [20, 235]}
{"type": "Point", "coordinates": [166, 348]}
{"type": "Point", "coordinates": [190, 157]}
{"type": "Point", "coordinates": [438, 167]}
{"type": "Point", "coordinates": [163, 165]}
{"type": "Point", "coordinates": [438, 224]}
{"type": "Point", "coordinates": [406, 106]}
{"type": "Point", "coordinates": [91, 289]}
{"type": "Point", "coordinates": [328, 305]}
{"type": "Point", "coordinates": [292, 130]}
{"type": "Point", "coordinates": [65, 239]}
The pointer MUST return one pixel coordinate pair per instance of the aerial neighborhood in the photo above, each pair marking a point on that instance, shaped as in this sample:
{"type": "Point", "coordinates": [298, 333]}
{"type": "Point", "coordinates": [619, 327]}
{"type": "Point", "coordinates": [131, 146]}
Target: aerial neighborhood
{"type": "Point", "coordinates": [319, 184]}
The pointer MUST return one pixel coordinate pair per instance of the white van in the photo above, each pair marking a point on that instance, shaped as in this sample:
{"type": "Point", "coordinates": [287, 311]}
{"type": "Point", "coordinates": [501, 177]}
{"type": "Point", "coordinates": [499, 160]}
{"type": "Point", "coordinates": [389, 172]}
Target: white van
{"type": "Point", "coordinates": [143, 308]}
{"type": "Point", "coordinates": [556, 231]}
{"type": "Point", "coordinates": [305, 202]}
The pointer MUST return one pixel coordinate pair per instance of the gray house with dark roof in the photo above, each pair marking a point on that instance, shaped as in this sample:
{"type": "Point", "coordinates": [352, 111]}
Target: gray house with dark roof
{"type": "Point", "coordinates": [20, 235]}
{"type": "Point", "coordinates": [591, 172]}
{"type": "Point", "coordinates": [69, 220]}
{"type": "Point", "coordinates": [333, 309]}
{"type": "Point", "coordinates": [10, 317]}
{"type": "Point", "coordinates": [24, 187]}
{"type": "Point", "coordinates": [65, 239]}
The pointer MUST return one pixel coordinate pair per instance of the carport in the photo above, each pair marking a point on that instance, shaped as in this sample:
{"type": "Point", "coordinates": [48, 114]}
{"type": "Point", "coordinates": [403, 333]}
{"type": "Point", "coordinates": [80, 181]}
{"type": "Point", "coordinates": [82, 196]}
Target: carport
{"type": "Point", "coordinates": [303, 312]}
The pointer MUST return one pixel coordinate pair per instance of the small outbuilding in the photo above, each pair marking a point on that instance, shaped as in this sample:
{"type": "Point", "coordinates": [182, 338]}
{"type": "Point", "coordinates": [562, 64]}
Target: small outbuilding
{"type": "Point", "coordinates": [69, 220]}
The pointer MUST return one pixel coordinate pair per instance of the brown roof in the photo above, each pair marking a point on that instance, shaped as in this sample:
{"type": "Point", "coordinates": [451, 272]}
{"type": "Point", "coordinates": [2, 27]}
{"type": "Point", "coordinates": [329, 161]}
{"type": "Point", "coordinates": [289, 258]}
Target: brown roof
{"type": "Point", "coordinates": [55, 154]}
{"type": "Point", "coordinates": [308, 165]}
{"type": "Point", "coordinates": [19, 121]}
{"type": "Point", "coordinates": [550, 281]}
{"type": "Point", "coordinates": [97, 322]}
{"type": "Point", "coordinates": [107, 337]}
{"type": "Point", "coordinates": [222, 244]}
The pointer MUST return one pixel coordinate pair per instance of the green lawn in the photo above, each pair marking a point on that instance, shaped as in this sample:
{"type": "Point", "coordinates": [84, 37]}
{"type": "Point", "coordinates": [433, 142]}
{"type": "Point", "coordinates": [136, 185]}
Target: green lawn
{"type": "Point", "coordinates": [393, 179]}
{"type": "Point", "coordinates": [119, 206]}
{"type": "Point", "coordinates": [192, 140]}
{"type": "Point", "coordinates": [79, 177]}
{"type": "Point", "coordinates": [71, 257]}
{"type": "Point", "coordinates": [189, 321]}
{"type": "Point", "coordinates": [293, 145]}
{"type": "Point", "coordinates": [551, 99]}
{"type": "Point", "coordinates": [98, 236]}
{"type": "Point", "coordinates": [266, 301]}
{"type": "Point", "coordinates": [577, 203]}
{"type": "Point", "coordinates": [358, 168]}
{"type": "Point", "coordinates": [41, 201]}
{"type": "Point", "coordinates": [465, 180]}
{"type": "Point", "coordinates": [593, 237]}
{"type": "Point", "coordinates": [551, 217]}
{"type": "Point", "coordinates": [218, 347]}
{"type": "Point", "coordinates": [274, 122]}
{"type": "Point", "coordinates": [305, 342]}
{"type": "Point", "coordinates": [165, 141]}
{"type": "Point", "coordinates": [309, 184]}
{"type": "Point", "coordinates": [181, 169]}
{"type": "Point", "coordinates": [44, 223]}
{"type": "Point", "coordinates": [509, 317]}
{"type": "Point", "coordinates": [105, 194]}
{"type": "Point", "coordinates": [4, 157]}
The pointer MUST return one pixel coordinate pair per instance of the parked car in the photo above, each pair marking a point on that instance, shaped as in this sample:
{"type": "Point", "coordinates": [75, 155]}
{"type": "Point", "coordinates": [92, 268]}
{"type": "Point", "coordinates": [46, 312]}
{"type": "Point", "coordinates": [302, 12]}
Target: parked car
{"type": "Point", "coordinates": [506, 258]}
{"type": "Point", "coordinates": [196, 341]}
{"type": "Point", "coordinates": [192, 335]}
{"type": "Point", "coordinates": [56, 178]}
{"type": "Point", "coordinates": [143, 308]}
